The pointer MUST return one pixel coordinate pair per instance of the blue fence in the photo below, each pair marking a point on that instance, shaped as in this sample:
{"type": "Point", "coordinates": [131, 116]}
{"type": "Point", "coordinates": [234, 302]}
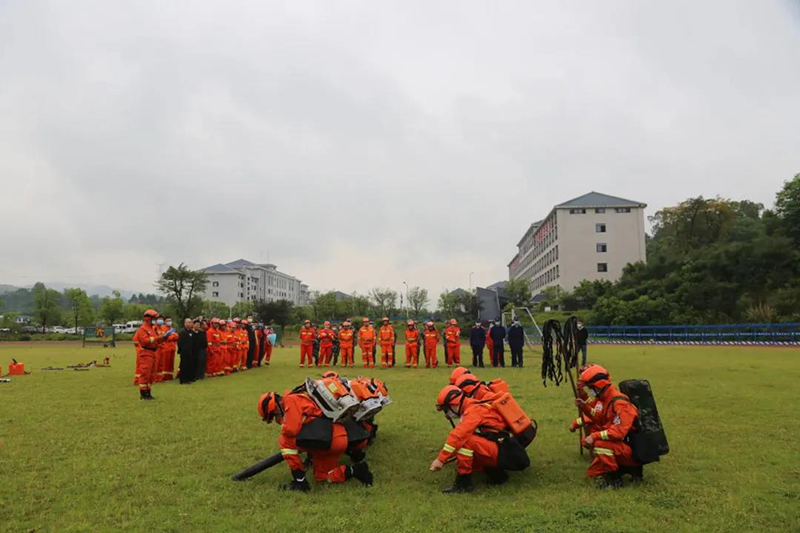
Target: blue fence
{"type": "Point", "coordinates": [780, 334]}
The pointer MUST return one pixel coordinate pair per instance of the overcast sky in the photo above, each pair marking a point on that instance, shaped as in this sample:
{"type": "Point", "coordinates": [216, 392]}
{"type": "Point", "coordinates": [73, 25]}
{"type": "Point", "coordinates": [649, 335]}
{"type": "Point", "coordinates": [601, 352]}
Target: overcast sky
{"type": "Point", "coordinates": [369, 143]}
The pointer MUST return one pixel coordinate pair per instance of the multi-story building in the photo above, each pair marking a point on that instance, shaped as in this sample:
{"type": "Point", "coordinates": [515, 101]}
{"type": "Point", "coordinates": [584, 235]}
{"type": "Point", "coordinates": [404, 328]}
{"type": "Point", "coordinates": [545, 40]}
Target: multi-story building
{"type": "Point", "coordinates": [590, 237]}
{"type": "Point", "coordinates": [243, 280]}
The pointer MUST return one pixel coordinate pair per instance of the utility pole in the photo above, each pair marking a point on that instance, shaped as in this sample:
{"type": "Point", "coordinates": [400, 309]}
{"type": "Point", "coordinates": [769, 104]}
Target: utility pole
{"type": "Point", "coordinates": [406, 284]}
{"type": "Point", "coordinates": [470, 281]}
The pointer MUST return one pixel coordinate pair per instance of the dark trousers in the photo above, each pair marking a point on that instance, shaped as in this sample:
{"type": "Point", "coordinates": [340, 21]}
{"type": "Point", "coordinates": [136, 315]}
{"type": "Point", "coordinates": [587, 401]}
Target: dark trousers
{"type": "Point", "coordinates": [200, 371]}
{"type": "Point", "coordinates": [583, 352]}
{"type": "Point", "coordinates": [251, 353]}
{"type": "Point", "coordinates": [499, 356]}
{"type": "Point", "coordinates": [188, 369]}
{"type": "Point", "coordinates": [516, 355]}
{"type": "Point", "coordinates": [477, 355]}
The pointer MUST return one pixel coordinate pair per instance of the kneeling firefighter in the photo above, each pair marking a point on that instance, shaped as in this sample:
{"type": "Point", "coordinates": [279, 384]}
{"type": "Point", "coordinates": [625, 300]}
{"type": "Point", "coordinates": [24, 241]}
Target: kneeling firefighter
{"type": "Point", "coordinates": [611, 416]}
{"type": "Point", "coordinates": [490, 436]}
{"type": "Point", "coordinates": [304, 428]}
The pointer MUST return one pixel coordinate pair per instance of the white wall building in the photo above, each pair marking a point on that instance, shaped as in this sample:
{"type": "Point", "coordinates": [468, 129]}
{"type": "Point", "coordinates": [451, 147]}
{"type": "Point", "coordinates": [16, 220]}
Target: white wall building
{"type": "Point", "coordinates": [590, 237]}
{"type": "Point", "coordinates": [243, 280]}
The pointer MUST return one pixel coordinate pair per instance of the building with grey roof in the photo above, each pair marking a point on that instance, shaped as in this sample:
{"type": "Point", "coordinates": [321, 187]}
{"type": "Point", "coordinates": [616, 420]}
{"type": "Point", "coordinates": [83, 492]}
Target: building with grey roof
{"type": "Point", "coordinates": [589, 237]}
{"type": "Point", "coordinates": [243, 280]}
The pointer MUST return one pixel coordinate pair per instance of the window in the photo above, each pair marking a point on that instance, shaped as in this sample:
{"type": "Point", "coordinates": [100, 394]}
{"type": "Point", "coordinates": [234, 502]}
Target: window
{"type": "Point", "coordinates": [577, 211]}
{"type": "Point", "coordinates": [622, 209]}
{"type": "Point", "coordinates": [215, 294]}
{"type": "Point", "coordinates": [600, 228]}
{"type": "Point", "coordinates": [241, 295]}
{"type": "Point", "coordinates": [241, 285]}
{"type": "Point", "coordinates": [602, 247]}
{"type": "Point", "coordinates": [215, 284]}
{"type": "Point", "coordinates": [602, 267]}
{"type": "Point", "coordinates": [600, 210]}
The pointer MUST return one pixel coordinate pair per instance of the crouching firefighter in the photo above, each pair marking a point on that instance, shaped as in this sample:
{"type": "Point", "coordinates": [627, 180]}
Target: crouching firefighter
{"type": "Point", "coordinates": [611, 416]}
{"type": "Point", "coordinates": [304, 428]}
{"type": "Point", "coordinates": [482, 440]}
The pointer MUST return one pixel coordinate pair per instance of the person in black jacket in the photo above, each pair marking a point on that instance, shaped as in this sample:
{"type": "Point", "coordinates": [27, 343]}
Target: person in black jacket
{"type": "Point", "coordinates": [498, 335]}
{"type": "Point", "coordinates": [582, 339]}
{"type": "Point", "coordinates": [477, 340]}
{"type": "Point", "coordinates": [516, 341]}
{"type": "Point", "coordinates": [200, 341]}
{"type": "Point", "coordinates": [251, 338]}
{"type": "Point", "coordinates": [186, 351]}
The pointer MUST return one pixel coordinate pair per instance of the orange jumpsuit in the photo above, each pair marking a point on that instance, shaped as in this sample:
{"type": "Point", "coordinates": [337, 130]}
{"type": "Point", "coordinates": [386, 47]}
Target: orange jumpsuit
{"type": "Point", "coordinates": [267, 346]}
{"type": "Point", "coordinates": [473, 452]}
{"type": "Point", "coordinates": [386, 337]}
{"type": "Point", "coordinates": [147, 341]}
{"type": "Point", "coordinates": [346, 346]}
{"type": "Point", "coordinates": [230, 347]}
{"type": "Point", "coordinates": [412, 347]}
{"type": "Point", "coordinates": [611, 424]}
{"type": "Point", "coordinates": [490, 345]}
{"type": "Point", "coordinates": [453, 336]}
{"type": "Point", "coordinates": [169, 354]}
{"type": "Point", "coordinates": [244, 346]}
{"type": "Point", "coordinates": [299, 410]}
{"type": "Point", "coordinates": [431, 341]}
{"type": "Point", "coordinates": [307, 336]}
{"type": "Point", "coordinates": [214, 339]}
{"type": "Point", "coordinates": [366, 341]}
{"type": "Point", "coordinates": [325, 337]}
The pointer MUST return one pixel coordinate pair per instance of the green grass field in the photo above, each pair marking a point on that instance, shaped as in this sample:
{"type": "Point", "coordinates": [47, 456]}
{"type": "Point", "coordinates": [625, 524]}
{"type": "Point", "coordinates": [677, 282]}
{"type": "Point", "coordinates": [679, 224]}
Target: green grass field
{"type": "Point", "coordinates": [80, 452]}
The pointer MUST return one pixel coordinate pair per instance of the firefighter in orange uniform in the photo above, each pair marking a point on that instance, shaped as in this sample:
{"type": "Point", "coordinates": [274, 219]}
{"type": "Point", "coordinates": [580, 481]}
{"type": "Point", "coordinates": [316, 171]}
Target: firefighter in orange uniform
{"type": "Point", "coordinates": [474, 388]}
{"type": "Point", "coordinates": [147, 341]}
{"type": "Point", "coordinates": [453, 336]}
{"type": "Point", "coordinates": [214, 339]}
{"type": "Point", "coordinates": [268, 345]}
{"type": "Point", "coordinates": [346, 335]}
{"type": "Point", "coordinates": [431, 341]}
{"type": "Point", "coordinates": [412, 344]}
{"type": "Point", "coordinates": [307, 336]}
{"type": "Point", "coordinates": [366, 341]}
{"type": "Point", "coordinates": [611, 423]}
{"type": "Point", "coordinates": [386, 337]}
{"type": "Point", "coordinates": [473, 452]}
{"type": "Point", "coordinates": [226, 333]}
{"type": "Point", "coordinates": [168, 354]}
{"type": "Point", "coordinates": [325, 337]}
{"type": "Point", "coordinates": [293, 411]}
{"type": "Point", "coordinates": [244, 339]}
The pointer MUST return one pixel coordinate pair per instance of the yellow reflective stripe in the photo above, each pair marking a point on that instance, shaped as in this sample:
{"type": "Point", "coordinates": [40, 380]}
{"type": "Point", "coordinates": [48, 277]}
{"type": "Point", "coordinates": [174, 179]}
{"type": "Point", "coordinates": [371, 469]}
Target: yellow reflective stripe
{"type": "Point", "coordinates": [289, 451]}
{"type": "Point", "coordinates": [448, 448]}
{"type": "Point", "coordinates": [604, 435]}
{"type": "Point", "coordinates": [602, 451]}
{"type": "Point", "coordinates": [464, 451]}
{"type": "Point", "coordinates": [579, 422]}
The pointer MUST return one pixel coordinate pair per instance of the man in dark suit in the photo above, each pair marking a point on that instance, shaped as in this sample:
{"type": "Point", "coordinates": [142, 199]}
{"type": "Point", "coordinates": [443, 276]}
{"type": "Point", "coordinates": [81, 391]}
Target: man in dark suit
{"type": "Point", "coordinates": [498, 335]}
{"type": "Point", "coordinates": [186, 351]}
{"type": "Point", "coordinates": [477, 340]}
{"type": "Point", "coordinates": [516, 341]}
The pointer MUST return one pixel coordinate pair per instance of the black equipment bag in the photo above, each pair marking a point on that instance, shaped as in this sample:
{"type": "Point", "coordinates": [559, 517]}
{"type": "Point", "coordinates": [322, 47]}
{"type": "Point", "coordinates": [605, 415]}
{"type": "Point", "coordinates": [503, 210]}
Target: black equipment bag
{"type": "Point", "coordinates": [355, 432]}
{"type": "Point", "coordinates": [512, 455]}
{"type": "Point", "coordinates": [316, 435]}
{"type": "Point", "coordinates": [648, 439]}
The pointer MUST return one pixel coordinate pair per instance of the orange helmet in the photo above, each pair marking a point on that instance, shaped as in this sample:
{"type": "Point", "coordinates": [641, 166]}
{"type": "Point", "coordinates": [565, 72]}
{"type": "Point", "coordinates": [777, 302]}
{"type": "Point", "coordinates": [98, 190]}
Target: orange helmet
{"type": "Point", "coordinates": [269, 405]}
{"type": "Point", "coordinates": [469, 383]}
{"type": "Point", "coordinates": [594, 376]}
{"type": "Point", "coordinates": [327, 323]}
{"type": "Point", "coordinates": [410, 322]}
{"type": "Point", "coordinates": [330, 374]}
{"type": "Point", "coordinates": [366, 319]}
{"type": "Point", "coordinates": [453, 322]}
{"type": "Point", "coordinates": [215, 320]}
{"type": "Point", "coordinates": [223, 322]}
{"type": "Point", "coordinates": [385, 319]}
{"type": "Point", "coordinates": [346, 324]}
{"type": "Point", "coordinates": [429, 323]}
{"type": "Point", "coordinates": [237, 319]}
{"type": "Point", "coordinates": [457, 373]}
{"type": "Point", "coordinates": [448, 396]}
{"type": "Point", "coordinates": [245, 322]}
{"type": "Point", "coordinates": [150, 313]}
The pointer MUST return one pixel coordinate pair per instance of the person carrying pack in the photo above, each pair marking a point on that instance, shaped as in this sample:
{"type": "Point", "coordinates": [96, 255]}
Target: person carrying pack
{"type": "Point", "coordinates": [612, 418]}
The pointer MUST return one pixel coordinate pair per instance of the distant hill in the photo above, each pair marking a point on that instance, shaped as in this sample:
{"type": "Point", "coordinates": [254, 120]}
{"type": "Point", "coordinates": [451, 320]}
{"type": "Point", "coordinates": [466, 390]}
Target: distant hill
{"type": "Point", "coordinates": [7, 288]}
{"type": "Point", "coordinates": [91, 290]}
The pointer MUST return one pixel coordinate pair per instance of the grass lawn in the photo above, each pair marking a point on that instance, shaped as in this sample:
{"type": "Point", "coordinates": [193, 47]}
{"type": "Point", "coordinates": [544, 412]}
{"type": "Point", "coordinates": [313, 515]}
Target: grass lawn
{"type": "Point", "coordinates": [80, 452]}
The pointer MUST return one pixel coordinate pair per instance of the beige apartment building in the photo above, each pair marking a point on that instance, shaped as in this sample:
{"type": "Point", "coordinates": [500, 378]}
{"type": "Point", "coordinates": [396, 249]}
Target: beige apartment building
{"type": "Point", "coordinates": [243, 280]}
{"type": "Point", "coordinates": [589, 237]}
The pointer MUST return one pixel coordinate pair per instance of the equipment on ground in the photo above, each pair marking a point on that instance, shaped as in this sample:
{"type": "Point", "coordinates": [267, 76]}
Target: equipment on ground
{"type": "Point", "coordinates": [647, 439]}
{"type": "Point", "coordinates": [332, 397]}
{"type": "Point", "coordinates": [259, 467]}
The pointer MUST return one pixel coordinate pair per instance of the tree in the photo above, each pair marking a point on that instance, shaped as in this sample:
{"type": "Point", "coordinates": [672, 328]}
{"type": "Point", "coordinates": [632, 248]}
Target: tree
{"type": "Point", "coordinates": [279, 312]}
{"type": "Point", "coordinates": [216, 309]}
{"type": "Point", "coordinates": [448, 304]}
{"type": "Point", "coordinates": [183, 287]}
{"type": "Point", "coordinates": [325, 305]}
{"type": "Point", "coordinates": [417, 300]}
{"type": "Point", "coordinates": [384, 299]}
{"type": "Point", "coordinates": [518, 292]}
{"type": "Point", "coordinates": [46, 305]}
{"type": "Point", "coordinates": [787, 207]}
{"type": "Point", "coordinates": [243, 309]}
{"type": "Point", "coordinates": [80, 307]}
{"type": "Point", "coordinates": [112, 309]}
{"type": "Point", "coordinates": [586, 294]}
{"type": "Point", "coordinates": [469, 307]}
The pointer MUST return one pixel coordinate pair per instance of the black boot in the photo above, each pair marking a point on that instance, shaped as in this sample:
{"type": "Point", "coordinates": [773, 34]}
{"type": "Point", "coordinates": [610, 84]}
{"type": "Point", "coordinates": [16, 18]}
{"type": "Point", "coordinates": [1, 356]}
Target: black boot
{"type": "Point", "coordinates": [299, 482]}
{"type": "Point", "coordinates": [463, 484]}
{"type": "Point", "coordinates": [636, 472]}
{"type": "Point", "coordinates": [357, 455]}
{"type": "Point", "coordinates": [150, 394]}
{"type": "Point", "coordinates": [143, 394]}
{"type": "Point", "coordinates": [361, 472]}
{"type": "Point", "coordinates": [612, 480]}
{"type": "Point", "coordinates": [497, 476]}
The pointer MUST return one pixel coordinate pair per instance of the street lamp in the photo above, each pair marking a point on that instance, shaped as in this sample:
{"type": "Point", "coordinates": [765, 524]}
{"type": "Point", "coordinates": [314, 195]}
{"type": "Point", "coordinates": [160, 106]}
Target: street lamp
{"type": "Point", "coordinates": [470, 281]}
{"type": "Point", "coordinates": [406, 284]}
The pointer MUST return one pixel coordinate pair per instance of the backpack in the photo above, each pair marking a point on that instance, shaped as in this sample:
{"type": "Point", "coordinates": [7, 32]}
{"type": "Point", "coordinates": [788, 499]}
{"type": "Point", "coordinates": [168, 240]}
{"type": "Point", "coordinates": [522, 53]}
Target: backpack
{"type": "Point", "coordinates": [647, 438]}
{"type": "Point", "coordinates": [522, 427]}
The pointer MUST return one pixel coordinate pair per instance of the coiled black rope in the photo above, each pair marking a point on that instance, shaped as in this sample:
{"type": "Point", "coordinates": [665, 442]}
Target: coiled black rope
{"type": "Point", "coordinates": [552, 357]}
{"type": "Point", "coordinates": [570, 335]}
